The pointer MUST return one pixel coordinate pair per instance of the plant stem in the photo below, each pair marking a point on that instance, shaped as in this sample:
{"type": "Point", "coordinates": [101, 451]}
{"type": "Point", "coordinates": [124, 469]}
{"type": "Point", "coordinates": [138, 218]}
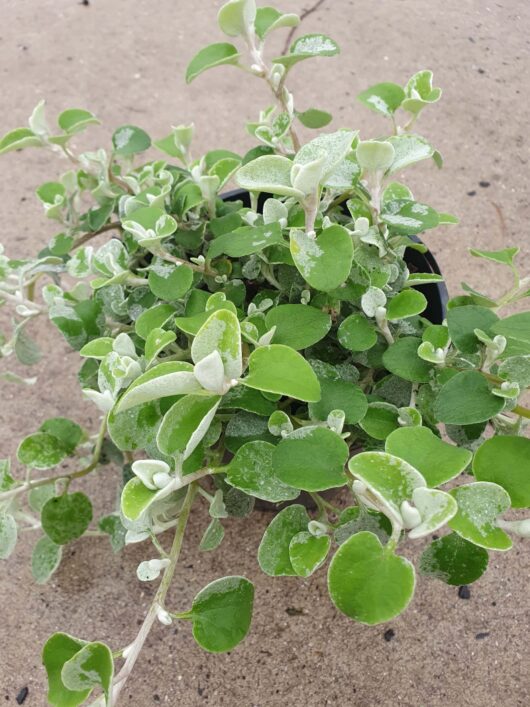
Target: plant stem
{"type": "Point", "coordinates": [28, 485]}
{"type": "Point", "coordinates": [88, 236]}
{"type": "Point", "coordinates": [521, 411]}
{"type": "Point", "coordinates": [133, 650]}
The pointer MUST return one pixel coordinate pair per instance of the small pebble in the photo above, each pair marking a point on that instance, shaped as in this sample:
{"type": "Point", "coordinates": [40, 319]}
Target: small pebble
{"type": "Point", "coordinates": [464, 592]}
{"type": "Point", "coordinates": [21, 697]}
{"type": "Point", "coordinates": [389, 634]}
{"type": "Point", "coordinates": [471, 193]}
{"type": "Point", "coordinates": [483, 634]}
{"type": "Point", "coordinates": [484, 184]}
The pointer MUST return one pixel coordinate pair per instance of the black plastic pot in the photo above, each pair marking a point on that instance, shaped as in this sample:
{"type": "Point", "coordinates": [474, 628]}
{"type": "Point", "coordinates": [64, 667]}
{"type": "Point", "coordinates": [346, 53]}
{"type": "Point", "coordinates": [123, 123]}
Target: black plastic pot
{"type": "Point", "coordinates": [435, 293]}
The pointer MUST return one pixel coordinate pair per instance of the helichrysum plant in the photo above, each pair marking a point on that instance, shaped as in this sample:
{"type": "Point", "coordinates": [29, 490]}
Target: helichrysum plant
{"type": "Point", "coordinates": [241, 350]}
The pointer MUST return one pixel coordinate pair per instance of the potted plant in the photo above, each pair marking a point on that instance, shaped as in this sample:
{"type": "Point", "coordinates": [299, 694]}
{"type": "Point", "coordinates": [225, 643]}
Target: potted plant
{"type": "Point", "coordinates": [259, 345]}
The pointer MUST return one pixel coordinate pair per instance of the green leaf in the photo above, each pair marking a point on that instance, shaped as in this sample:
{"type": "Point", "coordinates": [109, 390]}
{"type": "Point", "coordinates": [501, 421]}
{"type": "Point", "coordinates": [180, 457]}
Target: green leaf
{"type": "Point", "coordinates": [41, 451]}
{"type": "Point", "coordinates": [221, 613]}
{"type": "Point", "coordinates": [375, 155]}
{"type": "Point", "coordinates": [74, 120]}
{"type": "Point", "coordinates": [506, 256]}
{"type": "Point", "coordinates": [420, 92]}
{"type": "Point", "coordinates": [185, 424]}
{"type": "Point", "coordinates": [409, 149]}
{"type": "Point", "coordinates": [369, 583]}
{"type": "Point", "coordinates": [57, 650]}
{"type": "Point", "coordinates": [401, 358]}
{"type": "Point", "coordinates": [409, 217]}
{"type": "Point", "coordinates": [45, 559]}
{"type": "Point", "coordinates": [297, 325]}
{"type": "Point", "coordinates": [98, 348]}
{"type": "Point", "coordinates": [210, 56]}
{"type": "Point", "coordinates": [465, 399]}
{"type": "Point", "coordinates": [339, 395]}
{"type": "Point", "coordinates": [506, 461]}
{"type": "Point", "coordinates": [65, 518]}
{"type": "Point", "coordinates": [384, 98]}
{"type": "Point", "coordinates": [26, 349]}
{"type": "Point", "coordinates": [516, 329]}
{"type": "Point", "coordinates": [114, 528]}
{"type": "Point", "coordinates": [268, 173]}
{"type": "Point", "coordinates": [213, 536]}
{"type": "Point", "coordinates": [246, 241]}
{"type": "Point", "coordinates": [516, 369]}
{"type": "Point", "coordinates": [92, 666]}
{"type": "Point", "coordinates": [279, 369]}
{"type": "Point", "coordinates": [479, 505]}
{"type": "Point", "coordinates": [136, 498]}
{"type": "Point", "coordinates": [135, 428]}
{"type": "Point", "coordinates": [314, 118]}
{"type": "Point", "coordinates": [462, 322]}
{"type": "Point", "coordinates": [157, 340]}
{"type": "Point", "coordinates": [357, 333]}
{"type": "Point", "coordinates": [330, 149]}
{"type": "Point", "coordinates": [436, 460]}
{"type": "Point", "coordinates": [390, 479]}
{"type": "Point", "coordinates": [38, 496]}
{"type": "Point", "coordinates": [170, 282]}
{"type": "Point", "coordinates": [273, 554]}
{"type": "Point", "coordinates": [407, 303]}
{"type": "Point", "coordinates": [308, 46]}
{"type": "Point", "coordinates": [68, 433]}
{"type": "Point", "coordinates": [236, 17]}
{"type": "Point", "coordinates": [251, 471]}
{"type": "Point", "coordinates": [324, 262]}
{"type": "Point", "coordinates": [130, 140]}
{"type": "Point", "coordinates": [268, 19]}
{"type": "Point", "coordinates": [8, 535]}
{"type": "Point", "coordinates": [354, 519]}
{"type": "Point", "coordinates": [311, 459]}
{"type": "Point", "coordinates": [153, 318]}
{"type": "Point", "coordinates": [18, 139]}
{"type": "Point", "coordinates": [308, 552]}
{"type": "Point", "coordinates": [454, 560]}
{"type": "Point", "coordinates": [242, 398]}
{"type": "Point", "coordinates": [221, 332]}
{"type": "Point", "coordinates": [380, 420]}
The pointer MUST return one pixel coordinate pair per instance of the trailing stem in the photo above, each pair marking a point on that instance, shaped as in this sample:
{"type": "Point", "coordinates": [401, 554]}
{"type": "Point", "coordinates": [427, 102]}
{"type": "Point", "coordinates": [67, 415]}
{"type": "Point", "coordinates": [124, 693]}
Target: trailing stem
{"type": "Point", "coordinates": [132, 651]}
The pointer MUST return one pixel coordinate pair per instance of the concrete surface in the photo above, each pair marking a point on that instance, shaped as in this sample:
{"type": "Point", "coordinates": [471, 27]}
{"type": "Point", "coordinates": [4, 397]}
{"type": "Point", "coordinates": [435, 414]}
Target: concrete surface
{"type": "Point", "coordinates": [125, 61]}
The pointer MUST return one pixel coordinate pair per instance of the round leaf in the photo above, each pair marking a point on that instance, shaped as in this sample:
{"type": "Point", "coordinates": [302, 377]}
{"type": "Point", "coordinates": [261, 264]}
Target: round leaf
{"type": "Point", "coordinates": [506, 461]}
{"type": "Point", "coordinates": [311, 459]}
{"type": "Point", "coordinates": [454, 560]}
{"type": "Point", "coordinates": [339, 395]}
{"type": "Point", "coordinates": [221, 613]}
{"type": "Point", "coordinates": [171, 282]}
{"type": "Point", "coordinates": [406, 304]}
{"type": "Point", "coordinates": [185, 424]}
{"type": "Point", "coordinates": [465, 399]}
{"type": "Point", "coordinates": [297, 325]}
{"type": "Point", "coordinates": [324, 262]}
{"type": "Point", "coordinates": [129, 140]}
{"type": "Point", "coordinates": [384, 98]}
{"type": "Point", "coordinates": [356, 333]}
{"type": "Point", "coordinates": [251, 471]}
{"type": "Point", "coordinates": [57, 650]}
{"type": "Point", "coordinates": [280, 369]}
{"type": "Point", "coordinates": [369, 583]}
{"type": "Point", "coordinates": [401, 358]}
{"type": "Point", "coordinates": [8, 535]}
{"type": "Point", "coordinates": [479, 505]}
{"type": "Point", "coordinates": [41, 451]}
{"type": "Point", "coordinates": [91, 666]}
{"type": "Point", "coordinates": [308, 552]}
{"type": "Point", "coordinates": [435, 459]}
{"type": "Point", "coordinates": [65, 518]}
{"type": "Point", "coordinates": [273, 553]}
{"type": "Point", "coordinates": [45, 559]}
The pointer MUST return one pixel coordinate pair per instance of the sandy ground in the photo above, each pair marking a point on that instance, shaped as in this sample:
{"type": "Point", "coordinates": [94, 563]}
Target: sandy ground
{"type": "Point", "coordinates": [125, 61]}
